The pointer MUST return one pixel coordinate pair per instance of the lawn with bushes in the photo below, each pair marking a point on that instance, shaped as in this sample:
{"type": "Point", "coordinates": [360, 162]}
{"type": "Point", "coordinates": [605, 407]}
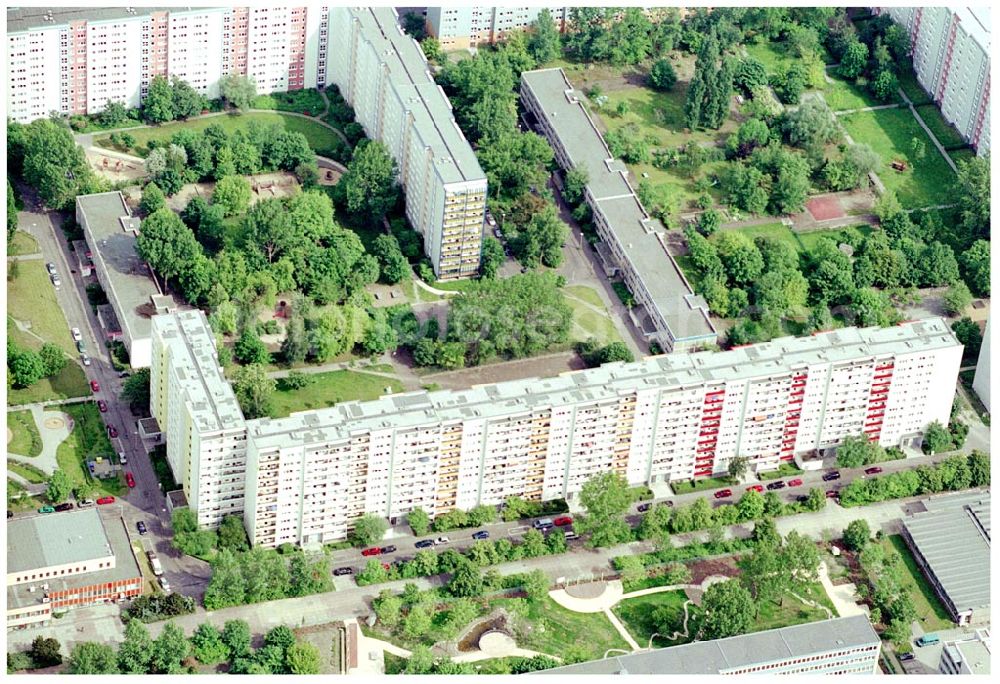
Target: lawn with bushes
{"type": "Point", "coordinates": [637, 614]}
{"type": "Point", "coordinates": [70, 382]}
{"type": "Point", "coordinates": [931, 613]}
{"type": "Point", "coordinates": [327, 389]}
{"type": "Point", "coordinates": [700, 485]}
{"type": "Point", "coordinates": [945, 133]}
{"type": "Point", "coordinates": [307, 101]}
{"type": "Point", "coordinates": [87, 440]}
{"type": "Point", "coordinates": [26, 439]}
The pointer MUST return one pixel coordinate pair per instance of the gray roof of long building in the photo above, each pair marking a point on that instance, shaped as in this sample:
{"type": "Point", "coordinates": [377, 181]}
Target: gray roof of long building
{"type": "Point", "coordinates": [607, 382]}
{"type": "Point", "coordinates": [713, 657]}
{"type": "Point", "coordinates": [953, 536]}
{"type": "Point", "coordinates": [112, 242]}
{"type": "Point", "coordinates": [42, 541]}
{"type": "Point", "coordinates": [209, 395]}
{"type": "Point", "coordinates": [113, 536]}
{"type": "Point", "coordinates": [640, 236]}
{"type": "Point", "coordinates": [24, 18]}
{"type": "Point", "coordinates": [410, 75]}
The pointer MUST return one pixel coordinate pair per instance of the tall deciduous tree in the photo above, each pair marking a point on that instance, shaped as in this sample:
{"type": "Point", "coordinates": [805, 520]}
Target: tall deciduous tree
{"type": "Point", "coordinates": [92, 658]}
{"type": "Point", "coordinates": [238, 90]}
{"type": "Point", "coordinates": [254, 390]}
{"type": "Point", "coordinates": [543, 43]}
{"type": "Point", "coordinates": [729, 610]}
{"type": "Point", "coordinates": [606, 498]}
{"type": "Point", "coordinates": [233, 195]}
{"type": "Point", "coordinates": [369, 187]}
{"type": "Point", "coordinates": [158, 105]}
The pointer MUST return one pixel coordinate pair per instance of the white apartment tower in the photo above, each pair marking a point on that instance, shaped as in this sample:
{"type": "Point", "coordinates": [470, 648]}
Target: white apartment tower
{"type": "Point", "coordinates": [951, 57]}
{"type": "Point", "coordinates": [198, 416]}
{"type": "Point", "coordinates": [463, 27]}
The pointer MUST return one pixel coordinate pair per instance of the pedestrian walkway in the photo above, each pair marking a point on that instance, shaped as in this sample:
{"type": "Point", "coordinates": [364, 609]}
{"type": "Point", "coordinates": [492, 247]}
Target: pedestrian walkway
{"type": "Point", "coordinates": [843, 596]}
{"type": "Point", "coordinates": [611, 594]}
{"type": "Point", "coordinates": [53, 428]}
{"type": "Point", "coordinates": [497, 644]}
{"type": "Point", "coordinates": [613, 619]}
{"type": "Point", "coordinates": [927, 130]}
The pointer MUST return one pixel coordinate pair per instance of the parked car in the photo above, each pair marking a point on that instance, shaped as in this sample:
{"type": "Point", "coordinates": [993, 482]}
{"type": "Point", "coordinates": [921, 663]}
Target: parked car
{"type": "Point", "coordinates": [832, 494]}
{"type": "Point", "coordinates": [543, 524]}
{"type": "Point", "coordinates": [85, 503]}
{"type": "Point", "coordinates": [56, 281]}
{"type": "Point", "coordinates": [755, 488]}
{"type": "Point", "coordinates": [570, 533]}
{"type": "Point", "coordinates": [424, 543]}
{"type": "Point", "coordinates": [112, 431]}
{"type": "Point", "coordinates": [46, 509]}
{"type": "Point", "coordinates": [802, 498]}
{"type": "Point", "coordinates": [903, 657]}
{"type": "Point", "coordinates": [797, 482]}
{"type": "Point", "coordinates": [928, 640]}
{"type": "Point", "coordinates": [831, 476]}
{"type": "Point", "coordinates": [75, 332]}
{"type": "Point", "coordinates": [141, 526]}
{"type": "Point", "coordinates": [105, 500]}
{"type": "Point", "coordinates": [85, 359]}
{"type": "Point", "coordinates": [94, 386]}
{"type": "Point", "coordinates": [563, 521]}
{"type": "Point", "coordinates": [51, 268]}
{"type": "Point", "coordinates": [490, 220]}
{"type": "Point", "coordinates": [80, 346]}
{"type": "Point", "coordinates": [373, 551]}
{"type": "Point", "coordinates": [164, 584]}
{"type": "Point", "coordinates": [780, 484]}
{"type": "Point", "coordinates": [64, 507]}
{"type": "Point", "coordinates": [481, 534]}
{"type": "Point", "coordinates": [668, 504]}
{"type": "Point", "coordinates": [874, 470]}
{"type": "Point", "coordinates": [102, 406]}
{"type": "Point", "coordinates": [441, 540]}
{"type": "Point", "coordinates": [129, 480]}
{"type": "Point", "coordinates": [643, 507]}
{"type": "Point", "coordinates": [723, 493]}
{"type": "Point", "coordinates": [121, 457]}
{"type": "Point", "coordinates": [343, 571]}
{"type": "Point", "coordinates": [388, 549]}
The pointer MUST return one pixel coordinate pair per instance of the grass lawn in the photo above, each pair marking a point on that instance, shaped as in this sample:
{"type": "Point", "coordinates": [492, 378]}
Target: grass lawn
{"type": "Point", "coordinates": [18, 498]}
{"type": "Point", "coordinates": [22, 244]}
{"type": "Point", "coordinates": [87, 440]}
{"type": "Point", "coordinates": [946, 134]}
{"type": "Point", "coordinates": [71, 381]}
{"type": "Point", "coordinates": [27, 471]}
{"type": "Point", "coordinates": [31, 299]}
{"type": "Point", "coordinates": [807, 241]}
{"type": "Point", "coordinates": [301, 101]}
{"type": "Point", "coordinates": [962, 154]}
{"type": "Point", "coordinates": [327, 389]}
{"type": "Point", "coordinates": [637, 616]}
{"type": "Point", "coordinates": [908, 82]}
{"type": "Point", "coordinates": [587, 322]}
{"type": "Point", "coordinates": [931, 613]}
{"type": "Point", "coordinates": [771, 54]}
{"type": "Point", "coordinates": [889, 132]}
{"type": "Point", "coordinates": [322, 139]}
{"type": "Point", "coordinates": [794, 612]}
{"type": "Point", "coordinates": [556, 631]}
{"type": "Point", "coordinates": [27, 441]}
{"type": "Point", "coordinates": [690, 272]}
{"type": "Point", "coordinates": [843, 94]}
{"type": "Point", "coordinates": [784, 470]}
{"type": "Point", "coordinates": [700, 485]}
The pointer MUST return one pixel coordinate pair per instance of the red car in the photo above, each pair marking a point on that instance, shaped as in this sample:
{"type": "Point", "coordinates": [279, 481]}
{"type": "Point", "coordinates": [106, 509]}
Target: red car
{"type": "Point", "coordinates": [723, 493]}
{"type": "Point", "coordinates": [129, 480]}
{"type": "Point", "coordinates": [112, 431]}
{"type": "Point", "coordinates": [755, 488]}
{"type": "Point", "coordinates": [831, 494]}
{"type": "Point", "coordinates": [102, 406]}
{"type": "Point", "coordinates": [106, 500]}
{"type": "Point", "coordinates": [797, 482]}
{"type": "Point", "coordinates": [373, 551]}
{"type": "Point", "coordinates": [563, 521]}
{"type": "Point", "coordinates": [875, 470]}
{"type": "Point", "coordinates": [94, 386]}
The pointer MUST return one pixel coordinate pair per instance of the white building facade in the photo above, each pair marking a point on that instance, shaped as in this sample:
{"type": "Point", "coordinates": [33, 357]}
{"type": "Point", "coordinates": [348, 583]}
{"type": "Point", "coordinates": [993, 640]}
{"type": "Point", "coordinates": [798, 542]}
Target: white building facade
{"type": "Point", "coordinates": [951, 57]}
{"type": "Point", "coordinates": [464, 27]}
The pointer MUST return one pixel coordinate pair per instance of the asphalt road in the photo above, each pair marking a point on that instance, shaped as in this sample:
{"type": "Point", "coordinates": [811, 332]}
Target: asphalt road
{"type": "Point", "coordinates": [145, 502]}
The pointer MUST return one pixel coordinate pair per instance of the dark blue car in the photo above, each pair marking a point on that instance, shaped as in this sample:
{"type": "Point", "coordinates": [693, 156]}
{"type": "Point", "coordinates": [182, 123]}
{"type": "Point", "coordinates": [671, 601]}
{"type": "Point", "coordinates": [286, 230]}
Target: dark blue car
{"type": "Point", "coordinates": [481, 534]}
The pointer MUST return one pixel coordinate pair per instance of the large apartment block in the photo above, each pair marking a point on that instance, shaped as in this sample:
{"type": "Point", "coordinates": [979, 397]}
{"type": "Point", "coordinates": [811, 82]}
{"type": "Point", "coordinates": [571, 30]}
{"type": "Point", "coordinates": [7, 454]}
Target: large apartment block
{"type": "Point", "coordinates": [951, 57]}
{"type": "Point", "coordinates": [198, 416]}
{"type": "Point", "coordinates": [304, 479]}
{"type": "Point", "coordinates": [383, 74]}
{"type": "Point", "coordinates": [74, 60]}
{"type": "Point", "coordinates": [459, 28]}
{"type": "Point", "coordinates": [633, 242]}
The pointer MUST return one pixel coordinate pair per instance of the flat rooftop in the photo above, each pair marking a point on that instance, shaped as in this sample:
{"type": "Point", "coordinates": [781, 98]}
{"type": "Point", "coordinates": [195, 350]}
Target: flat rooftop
{"type": "Point", "coordinates": [44, 540]}
{"type": "Point", "coordinates": [209, 395]}
{"type": "Point", "coordinates": [24, 18]}
{"type": "Point", "coordinates": [612, 380]}
{"type": "Point", "coordinates": [974, 653]}
{"type": "Point", "coordinates": [112, 534]}
{"type": "Point", "coordinates": [111, 232]}
{"type": "Point", "coordinates": [722, 655]}
{"type": "Point", "coordinates": [410, 77]}
{"type": "Point", "coordinates": [953, 536]}
{"type": "Point", "coordinates": [640, 236]}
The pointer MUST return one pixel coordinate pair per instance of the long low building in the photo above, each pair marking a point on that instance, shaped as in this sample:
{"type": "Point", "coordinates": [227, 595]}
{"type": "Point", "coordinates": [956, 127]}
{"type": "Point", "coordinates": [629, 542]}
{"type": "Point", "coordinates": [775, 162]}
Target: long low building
{"type": "Point", "coordinates": [840, 646]}
{"type": "Point", "coordinates": [63, 560]}
{"type": "Point", "coordinates": [670, 314]}
{"type": "Point", "coordinates": [304, 479]}
{"type": "Point", "coordinates": [950, 541]}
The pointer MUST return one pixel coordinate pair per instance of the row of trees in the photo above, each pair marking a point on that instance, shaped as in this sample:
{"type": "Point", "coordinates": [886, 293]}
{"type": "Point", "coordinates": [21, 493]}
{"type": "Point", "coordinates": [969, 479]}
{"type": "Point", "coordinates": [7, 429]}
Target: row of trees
{"type": "Point", "coordinates": [45, 155]}
{"type": "Point", "coordinates": [259, 574]}
{"type": "Point", "coordinates": [884, 570]}
{"type": "Point", "coordinates": [26, 366]}
{"type": "Point", "coordinates": [873, 57]}
{"type": "Point", "coordinates": [952, 474]}
{"type": "Point", "coordinates": [855, 452]}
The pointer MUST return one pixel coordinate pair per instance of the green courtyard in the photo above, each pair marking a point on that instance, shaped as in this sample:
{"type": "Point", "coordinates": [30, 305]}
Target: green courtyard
{"type": "Point", "coordinates": [87, 440]}
{"type": "Point", "coordinates": [26, 441]}
{"type": "Point", "coordinates": [327, 389]}
{"type": "Point", "coordinates": [640, 616]}
{"type": "Point", "coordinates": [590, 317]}
{"type": "Point", "coordinates": [931, 614]}
{"type": "Point", "coordinates": [70, 382]}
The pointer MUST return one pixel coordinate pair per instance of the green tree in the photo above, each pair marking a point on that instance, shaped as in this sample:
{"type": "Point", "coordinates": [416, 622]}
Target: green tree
{"type": "Point", "coordinates": [738, 467]}
{"type": "Point", "coordinates": [854, 59]}
{"type": "Point", "coordinates": [393, 266]}
{"type": "Point", "coordinates": [92, 658]}
{"type": "Point", "coordinates": [368, 529]}
{"type": "Point", "coordinates": [957, 299]}
{"type": "Point", "coordinates": [59, 487]}
{"type": "Point", "coordinates": [543, 42]}
{"type": "Point", "coordinates": [857, 534]}
{"type": "Point", "coordinates": [631, 569]}
{"type": "Point", "coordinates": [740, 257]}
{"type": "Point", "coordinates": [750, 75]}
{"type": "Point", "coordinates": [186, 101]}
{"type": "Point", "coordinates": [369, 189]}
{"type": "Point", "coordinates": [729, 610]}
{"type": "Point", "coordinates": [535, 585]}
{"type": "Point", "coordinates": [936, 438]}
{"type": "Point", "coordinates": [975, 263]}
{"type": "Point", "coordinates": [303, 658]}
{"type": "Point", "coordinates": [466, 581]}
{"type": "Point", "coordinates": [207, 645]}
{"type": "Point", "coordinates": [751, 505]}
{"type": "Point", "coordinates": [45, 651]}
{"type": "Point", "coordinates": [152, 199]}
{"type": "Point", "coordinates": [884, 87]}
{"type": "Point", "coordinates": [973, 196]}
{"type": "Point", "coordinates": [53, 359]}
{"type": "Point", "coordinates": [662, 75]}
{"type": "Point", "coordinates": [655, 522]}
{"type": "Point", "coordinates": [136, 650]}
{"type": "Point", "coordinates": [24, 365]}
{"type": "Point", "coordinates": [232, 536]}
{"type": "Point", "coordinates": [169, 649]}
{"type": "Point", "coordinates": [158, 106]}
{"type": "Point", "coordinates": [812, 125]}
{"type": "Point", "coordinates": [979, 468]}
{"type": "Point", "coordinates": [606, 498]}
{"type": "Point", "coordinates": [418, 621]}
{"type": "Point", "coordinates": [419, 521]}
{"type": "Point", "coordinates": [52, 163]}
{"type": "Point", "coordinates": [854, 452]}
{"type": "Point", "coordinates": [239, 91]}
{"type": "Point", "coordinates": [11, 213]}
{"type": "Point", "coordinates": [233, 195]}
{"type": "Point", "coordinates": [249, 349]}
{"type": "Point", "coordinates": [254, 390]}
{"type": "Point", "coordinates": [492, 258]}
